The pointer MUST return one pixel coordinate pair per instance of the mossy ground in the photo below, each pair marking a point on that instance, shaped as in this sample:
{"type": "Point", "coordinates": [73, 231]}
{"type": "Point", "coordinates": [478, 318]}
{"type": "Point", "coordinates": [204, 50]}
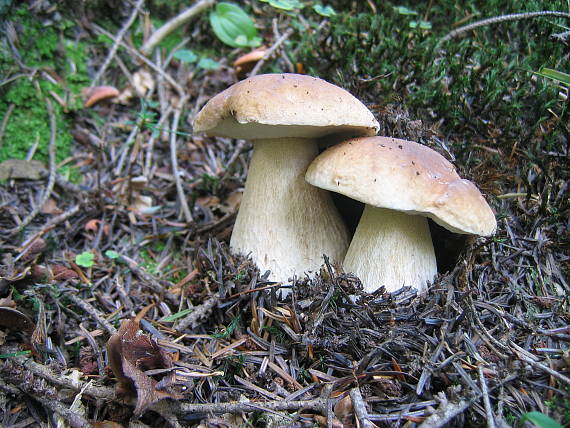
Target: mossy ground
{"type": "Point", "coordinates": [478, 87]}
{"type": "Point", "coordinates": [52, 64]}
{"type": "Point", "coordinates": [478, 94]}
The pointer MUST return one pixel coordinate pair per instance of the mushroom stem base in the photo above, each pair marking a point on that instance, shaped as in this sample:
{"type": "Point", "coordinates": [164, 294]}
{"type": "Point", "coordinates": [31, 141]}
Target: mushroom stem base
{"type": "Point", "coordinates": [392, 249]}
{"type": "Point", "coordinates": [284, 223]}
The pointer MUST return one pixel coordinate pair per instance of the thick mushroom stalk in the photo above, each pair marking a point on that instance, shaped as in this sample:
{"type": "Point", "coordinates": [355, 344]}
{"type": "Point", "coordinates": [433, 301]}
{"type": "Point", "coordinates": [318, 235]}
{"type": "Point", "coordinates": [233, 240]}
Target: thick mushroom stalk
{"type": "Point", "coordinates": [284, 223]}
{"type": "Point", "coordinates": [393, 249]}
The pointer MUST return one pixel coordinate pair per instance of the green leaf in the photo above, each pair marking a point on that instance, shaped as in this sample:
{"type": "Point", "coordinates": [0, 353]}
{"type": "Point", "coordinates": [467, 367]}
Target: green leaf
{"type": "Point", "coordinates": [229, 330]}
{"type": "Point", "coordinates": [177, 315]}
{"type": "Point", "coordinates": [85, 259]}
{"type": "Point", "coordinates": [285, 4]}
{"type": "Point", "coordinates": [403, 10]}
{"type": "Point", "coordinates": [540, 420]}
{"type": "Point", "coordinates": [208, 64]}
{"type": "Point", "coordinates": [233, 26]}
{"type": "Point", "coordinates": [424, 25]}
{"type": "Point", "coordinates": [15, 354]}
{"type": "Point", "coordinates": [185, 55]}
{"type": "Point", "coordinates": [324, 10]}
{"type": "Point", "coordinates": [555, 75]}
{"type": "Point", "coordinates": [112, 254]}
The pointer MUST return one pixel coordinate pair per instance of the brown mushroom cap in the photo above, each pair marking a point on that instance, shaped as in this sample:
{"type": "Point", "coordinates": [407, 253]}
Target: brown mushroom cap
{"type": "Point", "coordinates": [405, 176]}
{"type": "Point", "coordinates": [284, 106]}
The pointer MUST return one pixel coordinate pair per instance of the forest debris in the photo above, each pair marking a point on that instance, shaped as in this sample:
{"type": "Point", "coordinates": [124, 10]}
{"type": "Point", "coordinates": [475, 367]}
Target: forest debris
{"type": "Point", "coordinates": [131, 353]}
{"type": "Point", "coordinates": [99, 93]}
{"type": "Point", "coordinates": [15, 320]}
{"type": "Point", "coordinates": [21, 169]}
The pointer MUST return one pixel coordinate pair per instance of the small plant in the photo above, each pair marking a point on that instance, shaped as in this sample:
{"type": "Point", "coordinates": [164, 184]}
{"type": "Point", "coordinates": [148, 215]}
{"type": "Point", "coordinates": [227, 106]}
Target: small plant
{"type": "Point", "coordinates": [558, 76]}
{"type": "Point", "coordinates": [233, 26]}
{"type": "Point", "coordinates": [228, 330]}
{"type": "Point", "coordinates": [421, 24]}
{"type": "Point", "coordinates": [540, 420]}
{"type": "Point", "coordinates": [174, 317]}
{"type": "Point", "coordinates": [86, 259]}
{"type": "Point", "coordinates": [287, 5]}
{"type": "Point", "coordinates": [189, 57]}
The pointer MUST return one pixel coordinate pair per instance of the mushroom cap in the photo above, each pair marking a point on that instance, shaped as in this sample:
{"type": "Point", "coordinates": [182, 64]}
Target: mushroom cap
{"type": "Point", "coordinates": [404, 176]}
{"type": "Point", "coordinates": [284, 106]}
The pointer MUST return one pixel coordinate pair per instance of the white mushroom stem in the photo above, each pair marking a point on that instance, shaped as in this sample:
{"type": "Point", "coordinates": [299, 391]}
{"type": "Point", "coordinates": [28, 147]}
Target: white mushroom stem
{"type": "Point", "coordinates": [284, 223]}
{"type": "Point", "coordinates": [392, 249]}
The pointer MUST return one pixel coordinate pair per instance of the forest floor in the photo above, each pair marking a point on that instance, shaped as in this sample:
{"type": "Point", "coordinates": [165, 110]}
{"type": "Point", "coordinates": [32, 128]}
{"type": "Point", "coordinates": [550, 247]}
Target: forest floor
{"type": "Point", "coordinates": [121, 303]}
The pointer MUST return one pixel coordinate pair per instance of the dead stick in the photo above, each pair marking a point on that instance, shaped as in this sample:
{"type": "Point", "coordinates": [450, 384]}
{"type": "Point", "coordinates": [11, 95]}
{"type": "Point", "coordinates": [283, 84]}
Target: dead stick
{"type": "Point", "coordinates": [174, 23]}
{"type": "Point", "coordinates": [101, 392]}
{"type": "Point", "coordinates": [502, 18]}
{"type": "Point", "coordinates": [93, 312]}
{"type": "Point", "coordinates": [544, 368]}
{"type": "Point", "coordinates": [198, 312]}
{"type": "Point", "coordinates": [4, 123]}
{"type": "Point", "coordinates": [174, 161]}
{"type": "Point", "coordinates": [74, 419]}
{"type": "Point", "coordinates": [318, 404]}
{"type": "Point", "coordinates": [271, 51]}
{"type": "Point", "coordinates": [51, 178]}
{"type": "Point", "coordinates": [360, 408]}
{"type": "Point", "coordinates": [486, 400]}
{"type": "Point", "coordinates": [116, 43]}
{"type": "Point", "coordinates": [143, 58]}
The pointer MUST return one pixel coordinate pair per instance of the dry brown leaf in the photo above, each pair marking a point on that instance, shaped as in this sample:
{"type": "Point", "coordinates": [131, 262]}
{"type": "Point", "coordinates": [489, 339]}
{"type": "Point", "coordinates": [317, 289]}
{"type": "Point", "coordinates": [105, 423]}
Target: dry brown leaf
{"type": "Point", "coordinates": [245, 63]}
{"type": "Point", "coordinates": [62, 273]}
{"type": "Point", "coordinates": [130, 354]}
{"type": "Point", "coordinates": [106, 424]}
{"type": "Point", "coordinates": [50, 207]}
{"type": "Point", "coordinates": [7, 302]}
{"type": "Point", "coordinates": [92, 225]}
{"type": "Point", "coordinates": [15, 320]}
{"type": "Point", "coordinates": [98, 94]}
{"type": "Point", "coordinates": [344, 410]}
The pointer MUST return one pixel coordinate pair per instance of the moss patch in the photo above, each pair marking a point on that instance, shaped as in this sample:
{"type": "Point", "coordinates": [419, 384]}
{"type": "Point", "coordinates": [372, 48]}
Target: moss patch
{"type": "Point", "coordinates": [51, 64]}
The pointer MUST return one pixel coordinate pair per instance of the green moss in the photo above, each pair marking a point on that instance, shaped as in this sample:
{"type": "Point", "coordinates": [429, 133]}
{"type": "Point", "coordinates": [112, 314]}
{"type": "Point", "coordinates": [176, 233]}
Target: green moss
{"type": "Point", "coordinates": [54, 64]}
{"type": "Point", "coordinates": [479, 87]}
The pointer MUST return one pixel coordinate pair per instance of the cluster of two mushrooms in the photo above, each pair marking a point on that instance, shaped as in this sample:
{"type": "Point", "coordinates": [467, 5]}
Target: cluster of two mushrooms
{"type": "Point", "coordinates": [287, 219]}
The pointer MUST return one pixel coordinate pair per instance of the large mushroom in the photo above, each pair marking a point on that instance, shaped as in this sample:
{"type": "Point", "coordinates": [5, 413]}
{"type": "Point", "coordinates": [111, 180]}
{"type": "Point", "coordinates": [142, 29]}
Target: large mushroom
{"type": "Point", "coordinates": [402, 183]}
{"type": "Point", "coordinates": [285, 224]}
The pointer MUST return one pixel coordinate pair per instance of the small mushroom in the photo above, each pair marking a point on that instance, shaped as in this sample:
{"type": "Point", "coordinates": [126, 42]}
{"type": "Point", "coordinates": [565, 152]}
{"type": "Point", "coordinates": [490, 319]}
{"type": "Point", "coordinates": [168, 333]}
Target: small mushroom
{"type": "Point", "coordinates": [285, 224]}
{"type": "Point", "coordinates": [401, 183]}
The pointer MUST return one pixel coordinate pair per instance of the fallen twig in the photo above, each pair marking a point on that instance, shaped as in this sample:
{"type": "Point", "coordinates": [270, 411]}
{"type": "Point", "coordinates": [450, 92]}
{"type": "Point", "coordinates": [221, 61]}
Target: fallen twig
{"type": "Point", "coordinates": [117, 41]}
{"type": "Point", "coordinates": [269, 52]}
{"type": "Point", "coordinates": [486, 400]}
{"type": "Point", "coordinates": [544, 368]}
{"type": "Point", "coordinates": [92, 311]}
{"type": "Point", "coordinates": [5, 120]}
{"type": "Point", "coordinates": [51, 178]}
{"type": "Point", "coordinates": [174, 23]}
{"type": "Point", "coordinates": [502, 18]}
{"type": "Point", "coordinates": [199, 312]}
{"type": "Point", "coordinates": [360, 408]}
{"type": "Point", "coordinates": [143, 58]}
{"type": "Point", "coordinates": [174, 161]}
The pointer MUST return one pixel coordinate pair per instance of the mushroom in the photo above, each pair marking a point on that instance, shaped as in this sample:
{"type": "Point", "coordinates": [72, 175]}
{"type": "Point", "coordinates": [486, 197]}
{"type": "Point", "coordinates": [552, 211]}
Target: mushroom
{"type": "Point", "coordinates": [401, 183]}
{"type": "Point", "coordinates": [285, 224]}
